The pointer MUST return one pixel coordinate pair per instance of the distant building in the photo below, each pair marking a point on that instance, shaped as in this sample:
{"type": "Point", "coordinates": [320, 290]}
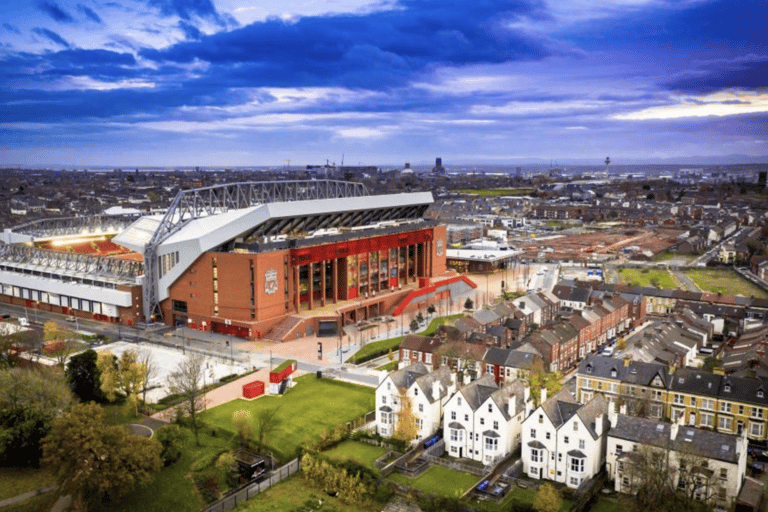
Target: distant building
{"type": "Point", "coordinates": [438, 168]}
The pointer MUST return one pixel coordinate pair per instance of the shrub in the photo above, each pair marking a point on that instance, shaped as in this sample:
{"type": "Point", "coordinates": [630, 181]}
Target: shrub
{"type": "Point", "coordinates": [171, 438]}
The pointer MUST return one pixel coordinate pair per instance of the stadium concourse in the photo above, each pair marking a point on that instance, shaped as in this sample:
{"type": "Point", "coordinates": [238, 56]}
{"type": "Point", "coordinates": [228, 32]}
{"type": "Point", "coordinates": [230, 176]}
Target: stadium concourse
{"type": "Point", "coordinates": [257, 260]}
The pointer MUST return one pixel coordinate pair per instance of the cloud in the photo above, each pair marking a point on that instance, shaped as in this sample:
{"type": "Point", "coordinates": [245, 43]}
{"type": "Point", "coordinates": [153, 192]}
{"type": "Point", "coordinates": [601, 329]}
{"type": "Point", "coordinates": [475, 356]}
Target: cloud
{"type": "Point", "coordinates": [11, 28]}
{"type": "Point", "coordinates": [55, 12]}
{"type": "Point", "coordinates": [190, 31]}
{"type": "Point", "coordinates": [745, 71]}
{"type": "Point", "coordinates": [720, 104]}
{"type": "Point", "coordinates": [89, 13]}
{"type": "Point", "coordinates": [51, 36]}
{"type": "Point", "coordinates": [374, 50]}
{"type": "Point", "coordinates": [187, 9]}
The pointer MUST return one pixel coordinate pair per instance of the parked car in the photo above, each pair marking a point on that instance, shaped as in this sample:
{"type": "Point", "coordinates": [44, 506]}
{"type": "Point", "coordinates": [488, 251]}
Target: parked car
{"type": "Point", "coordinates": [608, 351]}
{"type": "Point", "coordinates": [71, 318]}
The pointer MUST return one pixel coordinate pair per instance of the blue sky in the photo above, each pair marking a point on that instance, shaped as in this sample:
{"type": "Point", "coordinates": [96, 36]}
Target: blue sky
{"type": "Point", "coordinates": [259, 82]}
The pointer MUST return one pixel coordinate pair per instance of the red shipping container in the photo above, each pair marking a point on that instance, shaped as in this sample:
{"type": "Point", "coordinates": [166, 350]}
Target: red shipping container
{"type": "Point", "coordinates": [253, 389]}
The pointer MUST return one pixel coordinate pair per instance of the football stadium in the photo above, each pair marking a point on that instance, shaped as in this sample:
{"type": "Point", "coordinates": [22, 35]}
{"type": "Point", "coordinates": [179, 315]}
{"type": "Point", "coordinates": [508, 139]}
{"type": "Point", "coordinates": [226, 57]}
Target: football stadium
{"type": "Point", "coordinates": [274, 260]}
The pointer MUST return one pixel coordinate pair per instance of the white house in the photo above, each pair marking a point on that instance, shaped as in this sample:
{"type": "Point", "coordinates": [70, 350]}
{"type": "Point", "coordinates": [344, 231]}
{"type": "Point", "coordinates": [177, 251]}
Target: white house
{"type": "Point", "coordinates": [710, 466]}
{"type": "Point", "coordinates": [482, 422]}
{"type": "Point", "coordinates": [427, 391]}
{"type": "Point", "coordinates": [563, 440]}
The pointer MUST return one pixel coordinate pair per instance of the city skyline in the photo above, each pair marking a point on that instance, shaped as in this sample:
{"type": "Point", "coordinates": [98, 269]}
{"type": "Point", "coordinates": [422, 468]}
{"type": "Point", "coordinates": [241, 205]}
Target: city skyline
{"type": "Point", "coordinates": [219, 82]}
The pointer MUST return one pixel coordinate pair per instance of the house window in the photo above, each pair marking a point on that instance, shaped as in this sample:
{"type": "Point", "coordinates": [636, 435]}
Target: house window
{"type": "Point", "coordinates": [482, 421]}
{"type": "Point", "coordinates": [495, 425]}
{"type": "Point", "coordinates": [741, 410]}
{"type": "Point", "coordinates": [755, 429]}
{"type": "Point", "coordinates": [384, 399]}
{"type": "Point", "coordinates": [656, 411]}
{"type": "Point", "coordinates": [458, 401]}
{"type": "Point", "coordinates": [582, 444]}
{"type": "Point", "coordinates": [456, 434]}
{"type": "Point", "coordinates": [724, 423]}
{"type": "Point", "coordinates": [724, 473]}
{"type": "Point", "coordinates": [679, 399]}
{"type": "Point", "coordinates": [421, 407]}
{"type": "Point", "coordinates": [466, 417]}
{"type": "Point", "coordinates": [725, 407]}
{"type": "Point", "coordinates": [707, 404]}
{"type": "Point", "coordinates": [577, 464]}
{"type": "Point", "coordinates": [533, 434]}
{"type": "Point", "coordinates": [490, 407]}
{"type": "Point", "coordinates": [757, 412]}
{"type": "Point", "coordinates": [693, 401]}
{"type": "Point", "coordinates": [619, 449]}
{"type": "Point", "coordinates": [548, 435]}
{"type": "Point", "coordinates": [575, 426]}
{"type": "Point", "coordinates": [453, 415]}
{"type": "Point", "coordinates": [491, 443]}
{"type": "Point", "coordinates": [535, 455]}
{"type": "Point", "coordinates": [565, 439]}
{"type": "Point", "coordinates": [575, 481]}
{"type": "Point", "coordinates": [707, 420]}
{"type": "Point", "coordinates": [415, 391]}
{"type": "Point", "coordinates": [625, 481]}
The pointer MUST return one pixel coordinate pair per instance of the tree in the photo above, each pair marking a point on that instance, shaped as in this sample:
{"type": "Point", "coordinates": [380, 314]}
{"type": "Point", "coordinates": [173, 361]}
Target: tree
{"type": "Point", "coordinates": [185, 381]}
{"type": "Point", "coordinates": [171, 438]}
{"type": "Point", "coordinates": [95, 462]}
{"type": "Point", "coordinates": [53, 331]}
{"type": "Point", "coordinates": [414, 325]}
{"type": "Point", "coordinates": [14, 340]}
{"type": "Point", "coordinates": [30, 400]}
{"type": "Point", "coordinates": [419, 317]}
{"type": "Point", "coordinates": [431, 309]}
{"type": "Point", "coordinates": [406, 430]}
{"type": "Point", "coordinates": [547, 499]}
{"type": "Point", "coordinates": [267, 422]}
{"type": "Point", "coordinates": [541, 378]}
{"type": "Point", "coordinates": [84, 376]}
{"type": "Point", "coordinates": [151, 371]}
{"type": "Point", "coordinates": [468, 304]}
{"type": "Point", "coordinates": [126, 375]}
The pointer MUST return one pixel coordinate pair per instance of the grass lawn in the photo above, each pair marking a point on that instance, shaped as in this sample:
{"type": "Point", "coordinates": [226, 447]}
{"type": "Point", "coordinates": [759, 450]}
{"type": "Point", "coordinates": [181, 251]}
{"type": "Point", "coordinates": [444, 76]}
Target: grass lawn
{"type": "Point", "coordinates": [43, 502]}
{"type": "Point", "coordinates": [724, 281]}
{"type": "Point", "coordinates": [120, 414]}
{"type": "Point", "coordinates": [364, 453]}
{"type": "Point", "coordinates": [644, 276]}
{"type": "Point", "coordinates": [17, 481]}
{"type": "Point", "coordinates": [384, 346]}
{"type": "Point", "coordinates": [309, 408]}
{"type": "Point", "coordinates": [440, 481]}
{"type": "Point", "coordinates": [666, 256]}
{"type": "Point", "coordinates": [391, 366]}
{"type": "Point", "coordinates": [606, 505]}
{"type": "Point", "coordinates": [294, 495]}
{"type": "Point", "coordinates": [517, 498]}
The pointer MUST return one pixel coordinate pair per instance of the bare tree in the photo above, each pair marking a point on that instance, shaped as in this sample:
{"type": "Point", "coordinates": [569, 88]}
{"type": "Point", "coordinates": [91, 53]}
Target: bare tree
{"type": "Point", "coordinates": [267, 422]}
{"type": "Point", "coordinates": [186, 382]}
{"type": "Point", "coordinates": [145, 358]}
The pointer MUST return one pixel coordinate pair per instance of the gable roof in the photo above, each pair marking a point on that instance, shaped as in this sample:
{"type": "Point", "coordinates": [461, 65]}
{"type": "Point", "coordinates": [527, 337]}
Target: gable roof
{"type": "Point", "coordinates": [637, 372]}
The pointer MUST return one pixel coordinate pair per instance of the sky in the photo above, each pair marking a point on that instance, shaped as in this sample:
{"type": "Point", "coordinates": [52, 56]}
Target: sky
{"type": "Point", "coordinates": [268, 82]}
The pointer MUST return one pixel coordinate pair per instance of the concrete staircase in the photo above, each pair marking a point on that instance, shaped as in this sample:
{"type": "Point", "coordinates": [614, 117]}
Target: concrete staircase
{"type": "Point", "coordinates": [286, 330]}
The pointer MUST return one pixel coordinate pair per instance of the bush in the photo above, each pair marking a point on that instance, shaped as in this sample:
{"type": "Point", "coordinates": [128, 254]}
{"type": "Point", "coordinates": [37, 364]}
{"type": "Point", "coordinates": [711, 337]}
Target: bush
{"type": "Point", "coordinates": [171, 438]}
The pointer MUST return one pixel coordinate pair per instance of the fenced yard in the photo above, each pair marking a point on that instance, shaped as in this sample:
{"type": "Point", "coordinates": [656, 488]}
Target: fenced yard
{"type": "Point", "coordinates": [724, 281]}
{"type": "Point", "coordinates": [312, 406]}
{"type": "Point", "coordinates": [363, 453]}
{"type": "Point", "coordinates": [439, 480]}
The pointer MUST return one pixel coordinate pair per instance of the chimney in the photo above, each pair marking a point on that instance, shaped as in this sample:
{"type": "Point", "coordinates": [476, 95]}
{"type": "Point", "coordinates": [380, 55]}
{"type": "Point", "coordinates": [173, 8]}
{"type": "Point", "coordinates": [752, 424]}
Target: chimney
{"type": "Point", "coordinates": [543, 395]}
{"type": "Point", "coordinates": [436, 389]}
{"type": "Point", "coordinates": [623, 409]}
{"type": "Point", "coordinates": [599, 424]}
{"type": "Point", "coordinates": [522, 304]}
{"type": "Point", "coordinates": [673, 430]}
{"type": "Point", "coordinates": [612, 416]}
{"type": "Point", "coordinates": [627, 360]}
{"type": "Point", "coordinates": [526, 393]}
{"type": "Point", "coordinates": [512, 406]}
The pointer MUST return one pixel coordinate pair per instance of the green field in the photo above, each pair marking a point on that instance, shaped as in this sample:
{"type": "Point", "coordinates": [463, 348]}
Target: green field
{"type": "Point", "coordinates": [384, 346]}
{"type": "Point", "coordinates": [364, 453]}
{"type": "Point", "coordinates": [17, 481]}
{"type": "Point", "coordinates": [294, 495]}
{"type": "Point", "coordinates": [724, 281]}
{"type": "Point", "coordinates": [667, 256]}
{"type": "Point", "coordinates": [647, 276]}
{"type": "Point", "coordinates": [497, 191]}
{"type": "Point", "coordinates": [439, 480]}
{"type": "Point", "coordinates": [306, 410]}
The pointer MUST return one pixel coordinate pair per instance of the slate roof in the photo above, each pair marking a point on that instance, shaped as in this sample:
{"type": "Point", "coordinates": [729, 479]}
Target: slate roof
{"type": "Point", "coordinates": [637, 372]}
{"type": "Point", "coordinates": [405, 377]}
{"type": "Point", "coordinates": [421, 343]}
{"type": "Point", "coordinates": [705, 443]}
{"type": "Point", "coordinates": [441, 375]}
{"type": "Point", "coordinates": [696, 382]}
{"type": "Point", "coordinates": [589, 414]}
{"type": "Point", "coordinates": [486, 316]}
{"type": "Point", "coordinates": [560, 407]}
{"type": "Point", "coordinates": [478, 391]}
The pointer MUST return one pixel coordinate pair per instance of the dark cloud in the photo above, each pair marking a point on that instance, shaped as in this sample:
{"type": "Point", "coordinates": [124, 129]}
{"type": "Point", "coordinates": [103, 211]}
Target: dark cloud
{"type": "Point", "coordinates": [186, 9]}
{"type": "Point", "coordinates": [376, 50]}
{"type": "Point", "coordinates": [51, 36]}
{"type": "Point", "coordinates": [745, 72]}
{"type": "Point", "coordinates": [11, 28]}
{"type": "Point", "coordinates": [191, 32]}
{"type": "Point", "coordinates": [55, 12]}
{"type": "Point", "coordinates": [89, 13]}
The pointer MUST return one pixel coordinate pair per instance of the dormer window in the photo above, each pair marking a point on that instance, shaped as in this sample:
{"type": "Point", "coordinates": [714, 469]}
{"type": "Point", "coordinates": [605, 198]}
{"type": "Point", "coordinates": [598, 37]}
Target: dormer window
{"type": "Point", "coordinates": [589, 368]}
{"type": "Point", "coordinates": [727, 388]}
{"type": "Point", "coordinates": [458, 401]}
{"type": "Point", "coordinates": [613, 372]}
{"type": "Point", "coordinates": [760, 393]}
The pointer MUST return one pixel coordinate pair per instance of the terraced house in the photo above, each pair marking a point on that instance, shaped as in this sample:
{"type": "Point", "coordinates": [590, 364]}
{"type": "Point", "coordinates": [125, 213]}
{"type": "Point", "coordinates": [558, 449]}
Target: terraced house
{"type": "Point", "coordinates": [727, 404]}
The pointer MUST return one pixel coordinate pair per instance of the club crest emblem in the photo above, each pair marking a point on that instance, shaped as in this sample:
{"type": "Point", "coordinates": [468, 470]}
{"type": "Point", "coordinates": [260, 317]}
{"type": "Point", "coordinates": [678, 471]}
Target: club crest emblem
{"type": "Point", "coordinates": [270, 281]}
{"type": "Point", "coordinates": [439, 247]}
